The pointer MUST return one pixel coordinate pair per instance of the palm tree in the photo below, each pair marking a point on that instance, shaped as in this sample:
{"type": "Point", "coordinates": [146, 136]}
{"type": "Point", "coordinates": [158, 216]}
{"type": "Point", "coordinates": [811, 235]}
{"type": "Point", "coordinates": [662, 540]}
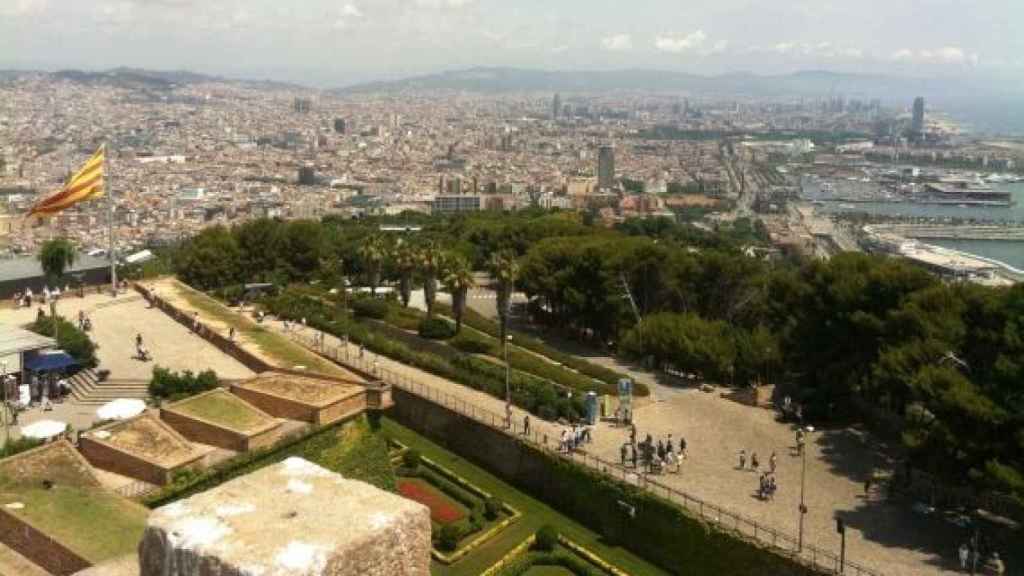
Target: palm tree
{"type": "Point", "coordinates": [55, 257]}
{"type": "Point", "coordinates": [405, 262]}
{"type": "Point", "coordinates": [372, 255]}
{"type": "Point", "coordinates": [430, 261]}
{"type": "Point", "coordinates": [504, 269]}
{"type": "Point", "coordinates": [458, 279]}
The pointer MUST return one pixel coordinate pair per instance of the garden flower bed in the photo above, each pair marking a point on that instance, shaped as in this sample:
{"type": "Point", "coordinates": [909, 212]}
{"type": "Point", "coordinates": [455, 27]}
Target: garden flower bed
{"type": "Point", "coordinates": [443, 510]}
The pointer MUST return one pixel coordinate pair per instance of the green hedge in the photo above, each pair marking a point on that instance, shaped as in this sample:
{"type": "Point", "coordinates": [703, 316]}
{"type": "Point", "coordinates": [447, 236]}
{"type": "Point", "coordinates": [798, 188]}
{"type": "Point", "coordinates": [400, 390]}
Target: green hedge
{"type": "Point", "coordinates": [529, 392]}
{"type": "Point", "coordinates": [69, 339]}
{"type": "Point", "coordinates": [474, 320]}
{"type": "Point", "coordinates": [435, 329]}
{"type": "Point", "coordinates": [574, 564]}
{"type": "Point", "coordinates": [171, 385]}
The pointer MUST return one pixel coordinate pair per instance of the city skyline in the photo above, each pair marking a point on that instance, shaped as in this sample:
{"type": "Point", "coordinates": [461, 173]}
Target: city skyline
{"type": "Point", "coordinates": [359, 40]}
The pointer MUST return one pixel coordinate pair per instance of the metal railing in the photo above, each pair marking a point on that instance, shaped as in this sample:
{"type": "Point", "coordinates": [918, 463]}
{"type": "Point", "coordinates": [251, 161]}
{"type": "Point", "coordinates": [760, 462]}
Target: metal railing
{"type": "Point", "coordinates": [726, 520]}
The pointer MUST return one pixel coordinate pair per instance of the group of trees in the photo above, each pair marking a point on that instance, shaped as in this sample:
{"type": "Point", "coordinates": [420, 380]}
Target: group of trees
{"type": "Point", "coordinates": [852, 336]}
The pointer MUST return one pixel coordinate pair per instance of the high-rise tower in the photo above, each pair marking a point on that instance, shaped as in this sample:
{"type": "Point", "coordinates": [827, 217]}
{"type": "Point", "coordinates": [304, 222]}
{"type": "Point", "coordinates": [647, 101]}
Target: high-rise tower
{"type": "Point", "coordinates": [606, 167]}
{"type": "Point", "coordinates": [917, 123]}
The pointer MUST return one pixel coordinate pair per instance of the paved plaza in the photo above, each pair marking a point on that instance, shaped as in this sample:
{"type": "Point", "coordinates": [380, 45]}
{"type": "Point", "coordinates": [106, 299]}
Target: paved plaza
{"type": "Point", "coordinates": [888, 538]}
{"type": "Point", "coordinates": [114, 326]}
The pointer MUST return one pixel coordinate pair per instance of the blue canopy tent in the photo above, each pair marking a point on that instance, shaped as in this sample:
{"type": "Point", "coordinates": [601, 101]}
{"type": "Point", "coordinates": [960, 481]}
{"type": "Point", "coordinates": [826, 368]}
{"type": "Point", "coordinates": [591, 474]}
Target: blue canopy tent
{"type": "Point", "coordinates": [49, 362]}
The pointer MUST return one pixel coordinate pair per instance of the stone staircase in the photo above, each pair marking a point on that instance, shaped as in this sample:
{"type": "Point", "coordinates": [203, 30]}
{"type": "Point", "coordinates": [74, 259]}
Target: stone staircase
{"type": "Point", "coordinates": [87, 389]}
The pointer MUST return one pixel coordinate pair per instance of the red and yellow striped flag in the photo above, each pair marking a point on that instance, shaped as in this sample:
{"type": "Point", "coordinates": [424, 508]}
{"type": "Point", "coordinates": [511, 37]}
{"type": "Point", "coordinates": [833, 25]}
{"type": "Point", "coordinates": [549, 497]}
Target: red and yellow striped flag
{"type": "Point", "coordinates": [86, 184]}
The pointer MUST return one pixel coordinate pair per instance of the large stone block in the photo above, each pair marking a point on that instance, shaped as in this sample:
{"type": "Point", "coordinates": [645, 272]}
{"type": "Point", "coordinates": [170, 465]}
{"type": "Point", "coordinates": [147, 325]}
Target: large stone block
{"type": "Point", "coordinates": [294, 518]}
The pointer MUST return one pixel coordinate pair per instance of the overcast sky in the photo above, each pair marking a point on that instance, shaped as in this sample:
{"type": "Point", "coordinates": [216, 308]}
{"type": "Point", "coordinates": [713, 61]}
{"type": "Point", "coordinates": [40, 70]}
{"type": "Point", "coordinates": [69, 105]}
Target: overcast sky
{"type": "Point", "coordinates": [338, 42]}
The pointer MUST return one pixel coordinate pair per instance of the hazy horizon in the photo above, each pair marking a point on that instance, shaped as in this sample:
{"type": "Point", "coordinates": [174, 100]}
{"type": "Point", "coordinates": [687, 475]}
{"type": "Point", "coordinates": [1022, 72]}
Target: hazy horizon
{"type": "Point", "coordinates": [326, 43]}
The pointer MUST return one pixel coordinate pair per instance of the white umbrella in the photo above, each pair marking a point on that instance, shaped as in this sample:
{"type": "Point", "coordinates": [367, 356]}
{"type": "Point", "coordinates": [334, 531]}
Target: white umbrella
{"type": "Point", "coordinates": [121, 409]}
{"type": "Point", "coordinates": [43, 429]}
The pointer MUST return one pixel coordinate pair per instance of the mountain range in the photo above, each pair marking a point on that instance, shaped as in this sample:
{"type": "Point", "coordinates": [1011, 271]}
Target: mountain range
{"type": "Point", "coordinates": [805, 83]}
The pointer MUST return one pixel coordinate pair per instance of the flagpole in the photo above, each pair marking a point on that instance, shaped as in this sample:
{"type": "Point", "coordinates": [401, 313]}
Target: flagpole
{"type": "Point", "coordinates": [107, 177]}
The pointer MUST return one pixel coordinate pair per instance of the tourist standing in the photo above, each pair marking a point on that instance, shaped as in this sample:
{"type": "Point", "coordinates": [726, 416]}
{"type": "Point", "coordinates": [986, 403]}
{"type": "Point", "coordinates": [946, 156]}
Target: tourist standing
{"type": "Point", "coordinates": [526, 425]}
{"type": "Point", "coordinates": [964, 555]}
{"type": "Point", "coordinates": [743, 458]}
{"type": "Point", "coordinates": [772, 462]}
{"type": "Point", "coordinates": [682, 447]}
{"type": "Point", "coordinates": [754, 464]}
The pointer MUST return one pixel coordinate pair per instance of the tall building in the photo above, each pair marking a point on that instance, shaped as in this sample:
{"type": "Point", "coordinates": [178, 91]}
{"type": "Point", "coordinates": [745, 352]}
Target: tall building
{"type": "Point", "coordinates": [917, 123]}
{"type": "Point", "coordinates": [307, 175]}
{"type": "Point", "coordinates": [339, 125]}
{"type": "Point", "coordinates": [606, 167]}
{"type": "Point", "coordinates": [302, 105]}
{"type": "Point", "coordinates": [556, 106]}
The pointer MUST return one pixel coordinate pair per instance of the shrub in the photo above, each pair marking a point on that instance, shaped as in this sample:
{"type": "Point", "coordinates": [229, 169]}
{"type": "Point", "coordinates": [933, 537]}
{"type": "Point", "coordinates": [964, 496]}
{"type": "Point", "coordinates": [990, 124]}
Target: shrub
{"type": "Point", "coordinates": [469, 344]}
{"type": "Point", "coordinates": [436, 329]}
{"type": "Point", "coordinates": [492, 508]}
{"type": "Point", "coordinates": [69, 339]}
{"type": "Point", "coordinates": [19, 445]}
{"type": "Point", "coordinates": [547, 538]}
{"type": "Point", "coordinates": [450, 535]}
{"type": "Point", "coordinates": [411, 459]}
{"type": "Point", "coordinates": [167, 384]}
{"type": "Point", "coordinates": [370, 308]}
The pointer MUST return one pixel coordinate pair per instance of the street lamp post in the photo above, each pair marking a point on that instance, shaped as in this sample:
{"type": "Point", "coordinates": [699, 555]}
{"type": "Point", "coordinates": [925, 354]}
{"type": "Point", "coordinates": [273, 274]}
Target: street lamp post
{"type": "Point", "coordinates": [803, 478]}
{"type": "Point", "coordinates": [508, 385]}
{"type": "Point", "coordinates": [3, 380]}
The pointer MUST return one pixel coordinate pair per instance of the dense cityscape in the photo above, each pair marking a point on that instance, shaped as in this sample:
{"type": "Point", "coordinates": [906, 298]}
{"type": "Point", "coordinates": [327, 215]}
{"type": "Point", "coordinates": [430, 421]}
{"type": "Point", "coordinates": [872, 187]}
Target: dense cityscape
{"type": "Point", "coordinates": [469, 288]}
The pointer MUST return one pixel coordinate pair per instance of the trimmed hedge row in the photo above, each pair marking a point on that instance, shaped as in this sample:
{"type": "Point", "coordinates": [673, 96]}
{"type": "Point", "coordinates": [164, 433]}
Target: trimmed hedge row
{"type": "Point", "coordinates": [474, 320]}
{"type": "Point", "coordinates": [569, 561]}
{"type": "Point", "coordinates": [529, 392]}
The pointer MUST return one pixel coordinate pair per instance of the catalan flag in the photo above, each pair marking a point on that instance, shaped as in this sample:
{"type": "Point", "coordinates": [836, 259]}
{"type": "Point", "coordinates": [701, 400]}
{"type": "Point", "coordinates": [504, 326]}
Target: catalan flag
{"type": "Point", "coordinates": [86, 184]}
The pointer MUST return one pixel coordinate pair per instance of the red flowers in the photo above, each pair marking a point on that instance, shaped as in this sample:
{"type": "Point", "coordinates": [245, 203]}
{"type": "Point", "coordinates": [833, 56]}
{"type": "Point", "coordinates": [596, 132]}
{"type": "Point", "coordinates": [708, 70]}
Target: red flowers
{"type": "Point", "coordinates": [442, 509]}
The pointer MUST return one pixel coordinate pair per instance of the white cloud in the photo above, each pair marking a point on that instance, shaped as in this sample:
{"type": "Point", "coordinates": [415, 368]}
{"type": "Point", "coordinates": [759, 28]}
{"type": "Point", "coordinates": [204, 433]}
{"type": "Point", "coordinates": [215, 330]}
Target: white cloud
{"type": "Point", "coordinates": [718, 48]}
{"type": "Point", "coordinates": [346, 14]}
{"type": "Point", "coordinates": [679, 44]}
{"type": "Point", "coordinates": [941, 55]}
{"type": "Point", "coordinates": [560, 49]}
{"type": "Point", "coordinates": [617, 43]}
{"type": "Point", "coordinates": [443, 3]}
{"type": "Point", "coordinates": [22, 7]}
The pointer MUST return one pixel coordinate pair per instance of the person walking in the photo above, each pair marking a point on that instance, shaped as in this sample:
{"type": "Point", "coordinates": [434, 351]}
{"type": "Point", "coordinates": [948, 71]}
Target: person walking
{"type": "Point", "coordinates": [772, 462]}
{"type": "Point", "coordinates": [743, 458]}
{"type": "Point", "coordinates": [964, 555]}
{"type": "Point", "coordinates": [231, 334]}
{"type": "Point", "coordinates": [526, 425]}
{"type": "Point", "coordinates": [754, 464]}
{"type": "Point", "coordinates": [138, 340]}
{"type": "Point", "coordinates": [682, 447]}
{"type": "Point", "coordinates": [800, 441]}
{"type": "Point", "coordinates": [622, 454]}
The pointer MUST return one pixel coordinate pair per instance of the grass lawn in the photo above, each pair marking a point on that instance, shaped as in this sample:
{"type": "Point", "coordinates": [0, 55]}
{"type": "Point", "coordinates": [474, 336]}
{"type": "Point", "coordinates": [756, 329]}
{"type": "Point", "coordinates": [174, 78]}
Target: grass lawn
{"type": "Point", "coordinates": [90, 521]}
{"type": "Point", "coordinates": [76, 511]}
{"type": "Point", "coordinates": [225, 409]}
{"type": "Point", "coordinates": [548, 571]}
{"type": "Point", "coordinates": [283, 351]}
{"type": "Point", "coordinates": [535, 515]}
